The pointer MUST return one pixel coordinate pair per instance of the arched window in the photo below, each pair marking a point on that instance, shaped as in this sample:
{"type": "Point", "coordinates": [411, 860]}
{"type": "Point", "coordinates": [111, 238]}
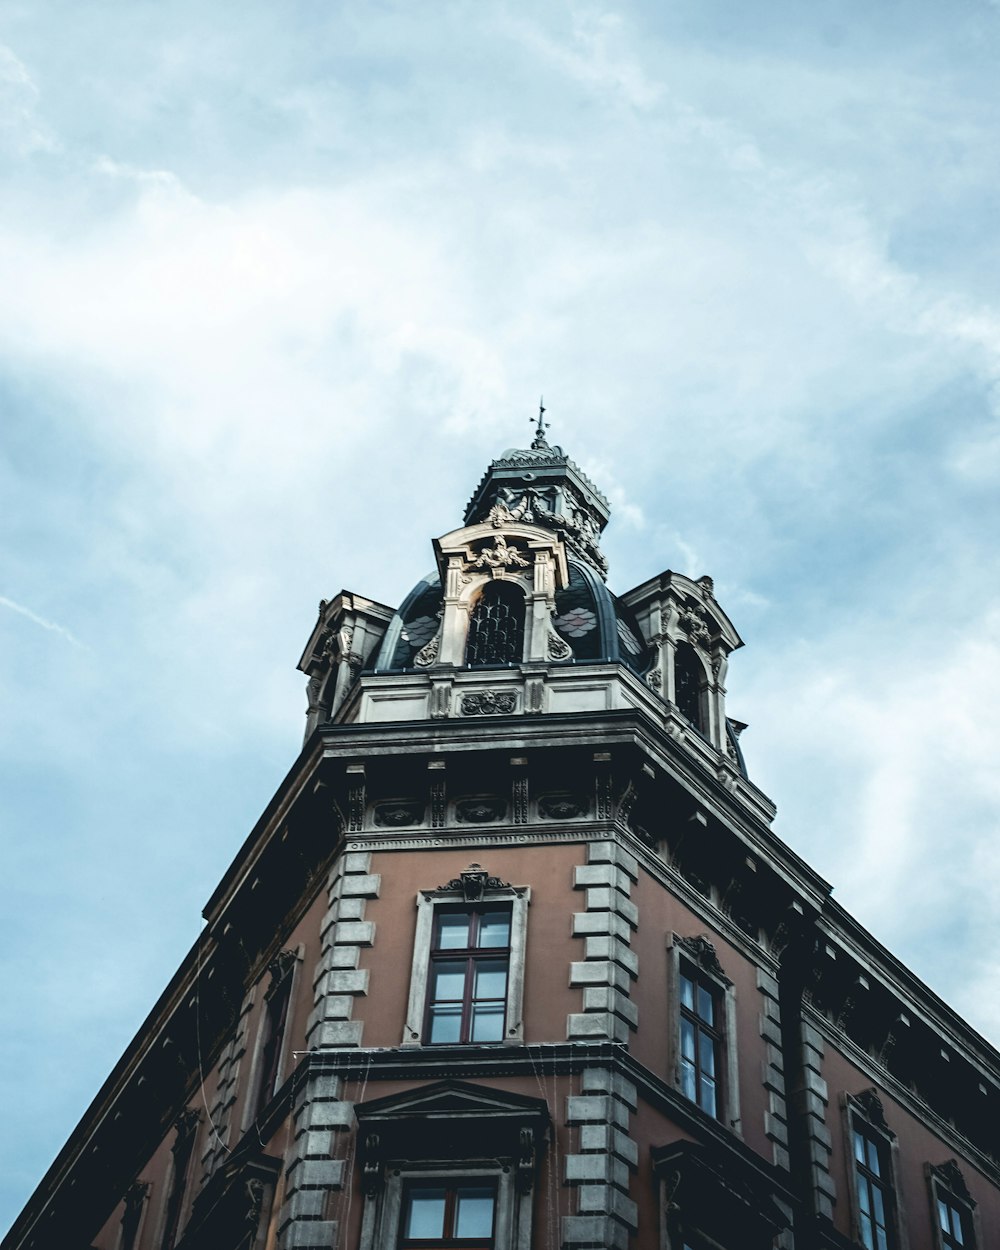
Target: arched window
{"type": "Point", "coordinates": [689, 677]}
{"type": "Point", "coordinates": [496, 627]}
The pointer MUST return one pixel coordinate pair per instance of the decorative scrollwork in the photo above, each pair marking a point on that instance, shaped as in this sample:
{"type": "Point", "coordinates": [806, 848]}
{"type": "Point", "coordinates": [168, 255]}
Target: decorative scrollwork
{"type": "Point", "coordinates": [480, 811]}
{"type": "Point", "coordinates": [488, 703]}
{"type": "Point", "coordinates": [396, 815]}
{"type": "Point", "coordinates": [500, 558]}
{"type": "Point", "coordinates": [871, 1107]}
{"type": "Point", "coordinates": [692, 621]}
{"type": "Point", "coordinates": [562, 806]}
{"type": "Point", "coordinates": [473, 884]}
{"type": "Point", "coordinates": [428, 653]}
{"type": "Point", "coordinates": [701, 950]}
{"type": "Point", "coordinates": [559, 648]}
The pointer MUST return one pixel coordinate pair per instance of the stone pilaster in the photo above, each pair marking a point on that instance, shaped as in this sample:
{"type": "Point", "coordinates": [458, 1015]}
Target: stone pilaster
{"type": "Point", "coordinates": [809, 1102]}
{"type": "Point", "coordinates": [609, 966]}
{"type": "Point", "coordinates": [773, 1075]}
{"type": "Point", "coordinates": [601, 1171]}
{"type": "Point", "coordinates": [345, 932]}
{"type": "Point", "coordinates": [312, 1171]}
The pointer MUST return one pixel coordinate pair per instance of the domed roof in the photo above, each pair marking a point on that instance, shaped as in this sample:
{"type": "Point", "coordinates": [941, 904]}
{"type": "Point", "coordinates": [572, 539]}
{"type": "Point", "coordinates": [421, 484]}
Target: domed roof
{"type": "Point", "coordinates": [596, 624]}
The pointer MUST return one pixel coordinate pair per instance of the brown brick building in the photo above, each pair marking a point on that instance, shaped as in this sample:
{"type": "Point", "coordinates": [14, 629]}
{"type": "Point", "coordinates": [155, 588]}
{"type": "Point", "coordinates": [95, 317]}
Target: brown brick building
{"type": "Point", "coordinates": [513, 959]}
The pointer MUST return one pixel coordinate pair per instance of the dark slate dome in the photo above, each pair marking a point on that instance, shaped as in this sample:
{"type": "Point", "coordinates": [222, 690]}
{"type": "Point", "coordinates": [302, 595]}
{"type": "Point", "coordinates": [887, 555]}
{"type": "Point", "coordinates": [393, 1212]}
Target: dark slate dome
{"type": "Point", "coordinates": [597, 625]}
{"type": "Point", "coordinates": [412, 627]}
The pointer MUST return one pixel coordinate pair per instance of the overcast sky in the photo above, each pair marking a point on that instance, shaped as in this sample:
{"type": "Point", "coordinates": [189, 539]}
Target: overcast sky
{"type": "Point", "coordinates": [279, 280]}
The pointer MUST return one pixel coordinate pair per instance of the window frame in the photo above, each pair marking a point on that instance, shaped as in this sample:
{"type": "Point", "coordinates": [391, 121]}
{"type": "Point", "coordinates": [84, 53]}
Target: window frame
{"type": "Point", "coordinates": [452, 897]}
{"type": "Point", "coordinates": [502, 589]}
{"type": "Point", "coordinates": [945, 1183]}
{"type": "Point", "coordinates": [284, 971]}
{"type": "Point", "coordinates": [698, 955]}
{"type": "Point", "coordinates": [471, 956]}
{"type": "Point", "coordinates": [451, 1185]}
{"type": "Point", "coordinates": [381, 1226]}
{"type": "Point", "coordinates": [863, 1112]}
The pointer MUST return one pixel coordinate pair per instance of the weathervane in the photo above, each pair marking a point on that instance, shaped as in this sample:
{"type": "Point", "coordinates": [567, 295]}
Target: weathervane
{"type": "Point", "coordinates": [539, 443]}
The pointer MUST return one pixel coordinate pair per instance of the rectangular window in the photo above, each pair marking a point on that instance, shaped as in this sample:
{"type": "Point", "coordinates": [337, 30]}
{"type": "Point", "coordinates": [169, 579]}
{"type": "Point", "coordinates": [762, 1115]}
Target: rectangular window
{"type": "Point", "coordinates": [952, 1224]}
{"type": "Point", "coordinates": [469, 969]}
{"type": "Point", "coordinates": [272, 1040]}
{"type": "Point", "coordinates": [458, 1216]}
{"type": "Point", "coordinates": [701, 1040]}
{"type": "Point", "coordinates": [873, 1180]}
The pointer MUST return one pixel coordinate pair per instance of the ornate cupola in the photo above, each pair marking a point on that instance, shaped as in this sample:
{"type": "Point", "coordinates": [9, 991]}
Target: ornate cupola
{"type": "Point", "coordinates": [540, 485]}
{"type": "Point", "coordinates": [516, 619]}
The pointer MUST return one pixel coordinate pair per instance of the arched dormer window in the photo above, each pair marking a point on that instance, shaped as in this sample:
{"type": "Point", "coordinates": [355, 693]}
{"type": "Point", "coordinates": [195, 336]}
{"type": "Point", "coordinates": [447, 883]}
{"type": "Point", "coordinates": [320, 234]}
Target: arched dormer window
{"type": "Point", "coordinates": [689, 679]}
{"type": "Point", "coordinates": [496, 626]}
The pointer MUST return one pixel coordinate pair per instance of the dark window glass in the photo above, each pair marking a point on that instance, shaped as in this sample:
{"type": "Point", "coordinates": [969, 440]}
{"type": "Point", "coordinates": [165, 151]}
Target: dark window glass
{"type": "Point", "coordinates": [467, 985]}
{"type": "Point", "coordinates": [275, 1020]}
{"type": "Point", "coordinates": [701, 1042]}
{"type": "Point", "coordinates": [954, 1224]}
{"type": "Point", "coordinates": [872, 1175]}
{"type": "Point", "coordinates": [496, 627]}
{"type": "Point", "coordinates": [448, 1217]}
{"type": "Point", "coordinates": [689, 676]}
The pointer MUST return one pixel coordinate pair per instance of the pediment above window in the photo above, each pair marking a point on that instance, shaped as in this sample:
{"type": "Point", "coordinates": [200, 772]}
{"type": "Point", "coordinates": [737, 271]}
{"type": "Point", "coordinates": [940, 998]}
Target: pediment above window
{"type": "Point", "coordinates": [451, 1121]}
{"type": "Point", "coordinates": [717, 1194]}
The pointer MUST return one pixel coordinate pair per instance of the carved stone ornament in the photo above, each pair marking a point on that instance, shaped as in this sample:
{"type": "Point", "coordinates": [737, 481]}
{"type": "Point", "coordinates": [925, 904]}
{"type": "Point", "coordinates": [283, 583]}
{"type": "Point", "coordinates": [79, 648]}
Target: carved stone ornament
{"type": "Point", "coordinates": [692, 621]}
{"type": "Point", "coordinates": [255, 1201]}
{"type": "Point", "coordinates": [473, 884]}
{"type": "Point", "coordinates": [559, 648]}
{"type": "Point", "coordinates": [562, 806]}
{"type": "Point", "coordinates": [525, 1160]}
{"type": "Point", "coordinates": [701, 950]}
{"type": "Point", "coordinates": [373, 1177]}
{"type": "Point", "coordinates": [185, 1127]}
{"type": "Point", "coordinates": [280, 966]}
{"type": "Point", "coordinates": [950, 1176]}
{"type": "Point", "coordinates": [654, 679]}
{"type": "Point", "coordinates": [488, 703]}
{"type": "Point", "coordinates": [428, 653]}
{"type": "Point", "coordinates": [870, 1106]}
{"type": "Point", "coordinates": [396, 815]}
{"type": "Point", "coordinates": [479, 811]}
{"type": "Point", "coordinates": [500, 558]}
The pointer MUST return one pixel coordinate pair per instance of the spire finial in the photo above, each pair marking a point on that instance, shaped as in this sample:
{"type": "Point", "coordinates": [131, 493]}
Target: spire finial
{"type": "Point", "coordinates": [539, 442]}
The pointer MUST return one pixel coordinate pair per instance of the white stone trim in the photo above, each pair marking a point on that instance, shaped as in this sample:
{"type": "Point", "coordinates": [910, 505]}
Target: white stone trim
{"type": "Point", "coordinates": [519, 898]}
{"type": "Point", "coordinates": [512, 1228]}
{"type": "Point", "coordinates": [730, 1117]}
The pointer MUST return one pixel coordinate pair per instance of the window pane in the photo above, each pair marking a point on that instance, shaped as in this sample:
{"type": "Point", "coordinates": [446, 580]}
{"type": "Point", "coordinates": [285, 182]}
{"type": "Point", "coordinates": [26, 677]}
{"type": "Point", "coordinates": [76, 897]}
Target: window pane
{"type": "Point", "coordinates": [688, 1079]}
{"type": "Point", "coordinates": [707, 1099]}
{"type": "Point", "coordinates": [487, 1023]}
{"type": "Point", "coordinates": [706, 1053]}
{"type": "Point", "coordinates": [956, 1227]}
{"type": "Point", "coordinates": [453, 931]}
{"type": "Point", "coordinates": [687, 1040]}
{"type": "Point", "coordinates": [859, 1147]}
{"type": "Point", "coordinates": [490, 979]}
{"type": "Point", "coordinates": [425, 1213]}
{"type": "Point", "coordinates": [867, 1236]}
{"type": "Point", "coordinates": [446, 1024]}
{"type": "Point", "coordinates": [873, 1159]}
{"type": "Point", "coordinates": [474, 1213]}
{"type": "Point", "coordinates": [706, 1008]}
{"type": "Point", "coordinates": [881, 1239]}
{"type": "Point", "coordinates": [687, 992]}
{"type": "Point", "coordinates": [879, 1205]}
{"type": "Point", "coordinates": [943, 1216]}
{"type": "Point", "coordinates": [449, 981]}
{"type": "Point", "coordinates": [494, 928]}
{"type": "Point", "coordinates": [864, 1196]}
